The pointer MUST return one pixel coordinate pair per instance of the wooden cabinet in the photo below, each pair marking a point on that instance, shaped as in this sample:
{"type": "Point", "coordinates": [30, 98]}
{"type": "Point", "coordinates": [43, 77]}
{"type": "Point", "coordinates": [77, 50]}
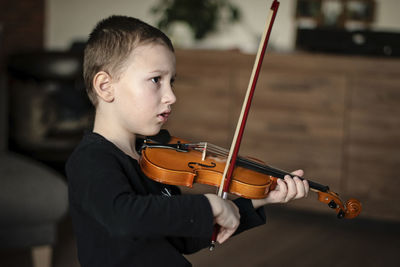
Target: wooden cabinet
{"type": "Point", "coordinates": [373, 149]}
{"type": "Point", "coordinates": [336, 117]}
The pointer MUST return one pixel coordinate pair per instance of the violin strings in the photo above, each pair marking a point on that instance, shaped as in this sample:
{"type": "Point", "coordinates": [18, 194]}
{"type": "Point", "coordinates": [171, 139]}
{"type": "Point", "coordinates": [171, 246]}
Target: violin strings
{"type": "Point", "coordinates": [210, 148]}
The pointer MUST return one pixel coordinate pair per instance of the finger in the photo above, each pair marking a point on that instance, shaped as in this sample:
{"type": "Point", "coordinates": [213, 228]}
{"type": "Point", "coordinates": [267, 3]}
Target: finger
{"type": "Point", "coordinates": [236, 208]}
{"type": "Point", "coordinates": [292, 190]}
{"type": "Point", "coordinates": [277, 187]}
{"type": "Point", "coordinates": [306, 187]}
{"type": "Point", "coordinates": [298, 173]}
{"type": "Point", "coordinates": [224, 234]}
{"type": "Point", "coordinates": [301, 191]}
{"type": "Point", "coordinates": [282, 192]}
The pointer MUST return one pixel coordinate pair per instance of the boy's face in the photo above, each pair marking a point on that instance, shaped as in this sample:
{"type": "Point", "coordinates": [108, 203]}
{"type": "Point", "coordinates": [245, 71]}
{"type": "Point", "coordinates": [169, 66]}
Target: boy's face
{"type": "Point", "coordinates": [143, 93]}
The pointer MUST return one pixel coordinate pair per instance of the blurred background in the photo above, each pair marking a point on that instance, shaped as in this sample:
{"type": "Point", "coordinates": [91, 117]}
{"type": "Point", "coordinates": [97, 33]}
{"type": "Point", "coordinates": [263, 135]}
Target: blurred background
{"type": "Point", "coordinates": [327, 102]}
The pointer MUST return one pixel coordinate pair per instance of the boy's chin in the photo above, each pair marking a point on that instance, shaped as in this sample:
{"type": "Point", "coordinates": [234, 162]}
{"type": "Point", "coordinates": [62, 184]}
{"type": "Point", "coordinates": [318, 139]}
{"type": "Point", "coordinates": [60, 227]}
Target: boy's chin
{"type": "Point", "coordinates": [151, 132]}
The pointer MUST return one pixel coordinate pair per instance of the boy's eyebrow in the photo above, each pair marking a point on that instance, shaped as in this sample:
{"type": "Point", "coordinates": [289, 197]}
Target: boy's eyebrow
{"type": "Point", "coordinates": [162, 72]}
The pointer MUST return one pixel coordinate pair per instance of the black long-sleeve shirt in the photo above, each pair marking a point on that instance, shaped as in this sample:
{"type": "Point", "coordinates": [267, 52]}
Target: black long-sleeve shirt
{"type": "Point", "coordinates": [122, 218]}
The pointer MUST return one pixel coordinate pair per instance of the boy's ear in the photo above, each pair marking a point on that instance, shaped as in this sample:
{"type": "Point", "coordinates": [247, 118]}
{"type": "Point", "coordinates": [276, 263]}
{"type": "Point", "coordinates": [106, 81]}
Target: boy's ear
{"type": "Point", "coordinates": [102, 84]}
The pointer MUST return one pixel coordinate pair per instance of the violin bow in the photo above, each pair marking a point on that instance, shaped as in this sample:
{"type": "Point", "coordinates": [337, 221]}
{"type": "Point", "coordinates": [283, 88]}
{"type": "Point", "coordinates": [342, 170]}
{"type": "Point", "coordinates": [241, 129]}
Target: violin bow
{"type": "Point", "coordinates": [237, 139]}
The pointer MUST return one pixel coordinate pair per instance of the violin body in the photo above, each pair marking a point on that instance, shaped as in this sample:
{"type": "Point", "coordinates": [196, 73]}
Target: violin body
{"type": "Point", "coordinates": [186, 167]}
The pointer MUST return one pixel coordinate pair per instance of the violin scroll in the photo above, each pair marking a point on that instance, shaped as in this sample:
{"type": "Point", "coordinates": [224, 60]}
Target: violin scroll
{"type": "Point", "coordinates": [353, 208]}
{"type": "Point", "coordinates": [350, 210]}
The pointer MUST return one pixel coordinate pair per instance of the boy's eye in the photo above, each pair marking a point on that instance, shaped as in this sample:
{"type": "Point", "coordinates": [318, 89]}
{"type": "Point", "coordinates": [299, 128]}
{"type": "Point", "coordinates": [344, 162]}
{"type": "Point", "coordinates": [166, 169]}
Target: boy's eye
{"type": "Point", "coordinates": [155, 79]}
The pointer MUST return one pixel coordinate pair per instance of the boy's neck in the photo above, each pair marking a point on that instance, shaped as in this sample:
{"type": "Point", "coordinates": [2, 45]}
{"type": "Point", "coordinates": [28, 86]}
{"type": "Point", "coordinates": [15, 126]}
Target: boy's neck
{"type": "Point", "coordinates": [124, 141]}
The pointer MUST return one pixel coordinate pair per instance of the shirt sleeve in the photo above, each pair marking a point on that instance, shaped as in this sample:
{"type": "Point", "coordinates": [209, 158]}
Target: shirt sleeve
{"type": "Point", "coordinates": [249, 217]}
{"type": "Point", "coordinates": [100, 188]}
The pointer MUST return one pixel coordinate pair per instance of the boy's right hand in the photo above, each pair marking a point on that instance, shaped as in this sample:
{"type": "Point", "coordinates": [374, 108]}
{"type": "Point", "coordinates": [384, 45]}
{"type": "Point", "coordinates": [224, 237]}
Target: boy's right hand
{"type": "Point", "coordinates": [226, 214]}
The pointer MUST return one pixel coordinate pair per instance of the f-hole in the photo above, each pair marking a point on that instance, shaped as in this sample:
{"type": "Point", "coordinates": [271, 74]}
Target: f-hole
{"type": "Point", "coordinates": [192, 164]}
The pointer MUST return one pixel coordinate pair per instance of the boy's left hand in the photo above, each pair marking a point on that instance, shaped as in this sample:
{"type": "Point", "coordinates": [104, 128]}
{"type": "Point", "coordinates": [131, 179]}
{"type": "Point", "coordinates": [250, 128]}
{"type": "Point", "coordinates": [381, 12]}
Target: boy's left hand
{"type": "Point", "coordinates": [285, 191]}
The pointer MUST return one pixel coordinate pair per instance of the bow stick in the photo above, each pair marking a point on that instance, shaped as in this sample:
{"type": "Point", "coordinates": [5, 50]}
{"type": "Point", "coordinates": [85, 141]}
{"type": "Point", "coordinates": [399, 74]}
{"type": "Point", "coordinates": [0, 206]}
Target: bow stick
{"type": "Point", "coordinates": [234, 150]}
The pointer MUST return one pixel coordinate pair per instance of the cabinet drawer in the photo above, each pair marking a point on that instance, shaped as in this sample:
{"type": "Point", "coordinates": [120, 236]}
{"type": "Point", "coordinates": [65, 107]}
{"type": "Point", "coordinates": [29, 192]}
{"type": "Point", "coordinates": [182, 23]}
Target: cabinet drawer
{"type": "Point", "coordinates": [323, 93]}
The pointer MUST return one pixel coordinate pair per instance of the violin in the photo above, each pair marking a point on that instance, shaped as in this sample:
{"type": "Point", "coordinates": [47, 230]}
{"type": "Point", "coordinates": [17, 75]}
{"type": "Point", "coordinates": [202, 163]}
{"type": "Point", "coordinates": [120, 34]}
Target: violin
{"type": "Point", "coordinates": [182, 163]}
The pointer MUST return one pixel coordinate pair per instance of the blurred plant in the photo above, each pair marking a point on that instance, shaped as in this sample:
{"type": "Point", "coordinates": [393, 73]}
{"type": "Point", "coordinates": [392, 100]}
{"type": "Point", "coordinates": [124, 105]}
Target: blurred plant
{"type": "Point", "coordinates": [202, 16]}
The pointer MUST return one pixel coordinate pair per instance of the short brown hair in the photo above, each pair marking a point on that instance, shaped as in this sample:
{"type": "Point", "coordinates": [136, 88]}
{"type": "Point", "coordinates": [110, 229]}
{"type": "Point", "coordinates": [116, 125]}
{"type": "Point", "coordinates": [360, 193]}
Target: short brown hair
{"type": "Point", "coordinates": [110, 44]}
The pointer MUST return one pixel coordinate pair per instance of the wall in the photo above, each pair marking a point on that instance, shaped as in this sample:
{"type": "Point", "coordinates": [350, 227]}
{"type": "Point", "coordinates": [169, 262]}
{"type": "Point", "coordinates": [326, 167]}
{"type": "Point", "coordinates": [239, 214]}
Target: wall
{"type": "Point", "coordinates": [68, 21]}
{"type": "Point", "coordinates": [387, 17]}
{"type": "Point", "coordinates": [73, 20]}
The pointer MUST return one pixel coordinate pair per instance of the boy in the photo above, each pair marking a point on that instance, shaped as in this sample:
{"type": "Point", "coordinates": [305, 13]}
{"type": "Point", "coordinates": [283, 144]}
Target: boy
{"type": "Point", "coordinates": [120, 217]}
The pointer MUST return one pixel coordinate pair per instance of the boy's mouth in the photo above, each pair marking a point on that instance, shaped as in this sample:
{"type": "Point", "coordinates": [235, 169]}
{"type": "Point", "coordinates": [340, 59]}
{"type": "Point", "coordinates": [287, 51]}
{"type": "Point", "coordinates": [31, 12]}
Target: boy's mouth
{"type": "Point", "coordinates": [164, 116]}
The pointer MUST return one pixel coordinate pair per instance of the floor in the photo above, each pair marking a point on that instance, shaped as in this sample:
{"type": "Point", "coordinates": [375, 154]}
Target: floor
{"type": "Point", "coordinates": [290, 238]}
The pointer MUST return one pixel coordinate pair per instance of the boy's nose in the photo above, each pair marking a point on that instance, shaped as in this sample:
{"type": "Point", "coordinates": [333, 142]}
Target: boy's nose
{"type": "Point", "coordinates": [169, 96]}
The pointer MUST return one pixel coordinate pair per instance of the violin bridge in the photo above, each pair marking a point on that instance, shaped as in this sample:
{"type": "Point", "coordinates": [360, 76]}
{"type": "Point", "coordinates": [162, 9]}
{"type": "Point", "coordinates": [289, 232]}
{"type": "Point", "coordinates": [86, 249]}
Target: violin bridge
{"type": "Point", "coordinates": [203, 158]}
